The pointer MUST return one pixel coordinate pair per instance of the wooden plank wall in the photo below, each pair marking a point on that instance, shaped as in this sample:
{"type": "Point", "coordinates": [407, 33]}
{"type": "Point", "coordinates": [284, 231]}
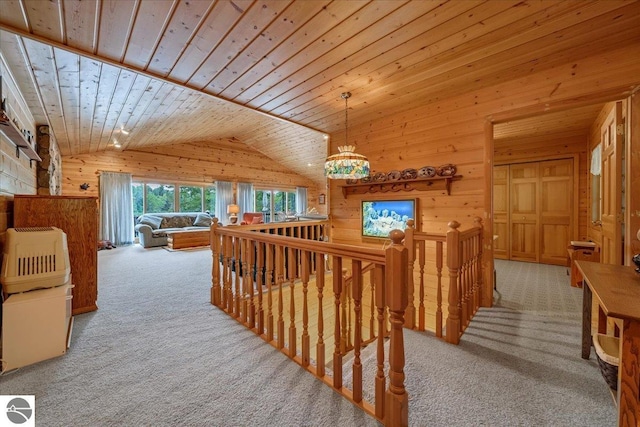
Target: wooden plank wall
{"type": "Point", "coordinates": [453, 131]}
{"type": "Point", "coordinates": [196, 163]}
{"type": "Point", "coordinates": [16, 175]}
{"type": "Point", "coordinates": [550, 147]}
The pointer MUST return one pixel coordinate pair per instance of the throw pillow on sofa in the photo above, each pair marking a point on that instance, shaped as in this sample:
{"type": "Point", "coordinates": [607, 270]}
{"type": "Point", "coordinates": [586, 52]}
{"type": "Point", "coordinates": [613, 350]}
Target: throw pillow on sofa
{"type": "Point", "coordinates": [202, 220]}
{"type": "Point", "coordinates": [152, 221]}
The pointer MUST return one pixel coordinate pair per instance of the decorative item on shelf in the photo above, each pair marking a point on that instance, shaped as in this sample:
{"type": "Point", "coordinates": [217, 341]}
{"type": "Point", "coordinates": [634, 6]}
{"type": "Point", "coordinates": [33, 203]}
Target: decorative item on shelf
{"type": "Point", "coordinates": [394, 176]}
{"type": "Point", "coordinates": [409, 173]}
{"type": "Point", "coordinates": [347, 163]}
{"type": "Point", "coordinates": [233, 210]}
{"type": "Point", "coordinates": [379, 177]}
{"type": "Point", "coordinates": [446, 170]}
{"type": "Point", "coordinates": [84, 186]}
{"type": "Point", "coordinates": [352, 181]}
{"type": "Point", "coordinates": [426, 172]}
{"type": "Point", "coordinates": [321, 199]}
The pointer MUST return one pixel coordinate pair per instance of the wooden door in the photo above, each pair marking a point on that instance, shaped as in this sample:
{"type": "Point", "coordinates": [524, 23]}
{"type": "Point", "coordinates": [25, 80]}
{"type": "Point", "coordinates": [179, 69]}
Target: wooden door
{"type": "Point", "coordinates": [501, 212]}
{"type": "Point", "coordinates": [611, 212]}
{"type": "Point", "coordinates": [524, 212]}
{"type": "Point", "coordinates": [556, 203]}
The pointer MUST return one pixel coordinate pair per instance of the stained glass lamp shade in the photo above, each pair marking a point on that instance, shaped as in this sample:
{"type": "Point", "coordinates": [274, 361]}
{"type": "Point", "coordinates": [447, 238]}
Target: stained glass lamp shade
{"type": "Point", "coordinates": [347, 164]}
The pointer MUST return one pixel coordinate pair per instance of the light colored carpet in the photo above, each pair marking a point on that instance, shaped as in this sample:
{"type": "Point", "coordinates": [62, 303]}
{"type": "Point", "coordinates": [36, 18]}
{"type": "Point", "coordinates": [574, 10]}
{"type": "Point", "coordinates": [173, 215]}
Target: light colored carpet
{"type": "Point", "coordinates": [157, 353]}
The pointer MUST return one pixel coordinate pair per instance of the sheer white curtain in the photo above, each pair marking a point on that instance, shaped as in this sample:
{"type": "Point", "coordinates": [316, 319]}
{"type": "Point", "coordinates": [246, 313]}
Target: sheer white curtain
{"type": "Point", "coordinates": [301, 200]}
{"type": "Point", "coordinates": [116, 208]}
{"type": "Point", "coordinates": [245, 197]}
{"type": "Point", "coordinates": [224, 197]}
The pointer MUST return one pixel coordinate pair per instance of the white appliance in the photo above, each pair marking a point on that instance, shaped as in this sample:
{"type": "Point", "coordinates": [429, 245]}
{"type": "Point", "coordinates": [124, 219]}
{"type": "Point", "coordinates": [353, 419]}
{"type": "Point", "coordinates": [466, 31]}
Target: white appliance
{"type": "Point", "coordinates": [34, 258]}
{"type": "Point", "coordinates": [36, 283]}
{"type": "Point", "coordinates": [36, 326]}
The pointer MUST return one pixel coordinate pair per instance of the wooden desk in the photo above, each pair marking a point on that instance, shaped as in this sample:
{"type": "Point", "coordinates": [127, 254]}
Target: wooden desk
{"type": "Point", "coordinates": [617, 290]}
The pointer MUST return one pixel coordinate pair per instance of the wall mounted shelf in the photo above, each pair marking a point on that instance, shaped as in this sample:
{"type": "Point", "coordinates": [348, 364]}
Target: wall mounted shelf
{"type": "Point", "coordinates": [13, 134]}
{"type": "Point", "coordinates": [421, 184]}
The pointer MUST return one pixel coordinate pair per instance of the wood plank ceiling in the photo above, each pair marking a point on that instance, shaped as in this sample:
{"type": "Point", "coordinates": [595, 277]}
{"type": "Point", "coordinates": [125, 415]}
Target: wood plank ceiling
{"type": "Point", "coordinates": [270, 73]}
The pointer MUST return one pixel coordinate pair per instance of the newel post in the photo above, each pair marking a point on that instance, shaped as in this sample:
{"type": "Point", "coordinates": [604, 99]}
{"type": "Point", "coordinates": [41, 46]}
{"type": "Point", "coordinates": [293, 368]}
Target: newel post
{"type": "Point", "coordinates": [214, 243]}
{"type": "Point", "coordinates": [397, 260]}
{"type": "Point", "coordinates": [409, 243]}
{"type": "Point", "coordinates": [453, 264]}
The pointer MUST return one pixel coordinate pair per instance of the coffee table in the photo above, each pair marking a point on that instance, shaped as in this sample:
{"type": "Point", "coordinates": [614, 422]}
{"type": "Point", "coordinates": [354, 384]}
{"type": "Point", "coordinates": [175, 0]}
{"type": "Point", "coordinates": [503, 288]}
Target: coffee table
{"type": "Point", "coordinates": [188, 238]}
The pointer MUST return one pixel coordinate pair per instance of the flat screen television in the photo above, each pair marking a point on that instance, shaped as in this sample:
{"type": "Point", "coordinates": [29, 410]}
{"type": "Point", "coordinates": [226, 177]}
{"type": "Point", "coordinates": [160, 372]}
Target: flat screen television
{"type": "Point", "coordinates": [379, 217]}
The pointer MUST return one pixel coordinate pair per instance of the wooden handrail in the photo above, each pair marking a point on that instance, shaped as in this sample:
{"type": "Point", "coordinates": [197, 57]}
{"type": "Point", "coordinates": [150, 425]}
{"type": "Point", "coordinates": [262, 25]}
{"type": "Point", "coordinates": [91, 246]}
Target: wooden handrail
{"type": "Point", "coordinates": [338, 249]}
{"type": "Point", "coordinates": [250, 273]}
{"type": "Point", "coordinates": [462, 260]}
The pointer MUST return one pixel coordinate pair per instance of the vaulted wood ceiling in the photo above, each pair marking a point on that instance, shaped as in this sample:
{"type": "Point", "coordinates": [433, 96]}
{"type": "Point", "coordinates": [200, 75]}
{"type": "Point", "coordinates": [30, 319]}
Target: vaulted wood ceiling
{"type": "Point", "coordinates": [270, 73]}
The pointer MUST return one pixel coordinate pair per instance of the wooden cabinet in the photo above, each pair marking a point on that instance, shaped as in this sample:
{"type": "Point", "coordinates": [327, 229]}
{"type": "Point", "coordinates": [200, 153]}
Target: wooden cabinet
{"type": "Point", "coordinates": [78, 218]}
{"type": "Point", "coordinates": [533, 210]}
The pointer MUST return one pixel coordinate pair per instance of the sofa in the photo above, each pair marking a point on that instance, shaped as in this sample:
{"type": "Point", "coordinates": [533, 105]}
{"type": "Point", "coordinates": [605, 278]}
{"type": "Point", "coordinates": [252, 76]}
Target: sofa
{"type": "Point", "coordinates": [152, 228]}
{"type": "Point", "coordinates": [249, 218]}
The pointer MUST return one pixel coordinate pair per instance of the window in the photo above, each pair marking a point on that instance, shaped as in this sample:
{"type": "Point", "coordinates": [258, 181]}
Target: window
{"type": "Point", "coordinates": [596, 159]}
{"type": "Point", "coordinates": [190, 199]}
{"type": "Point", "coordinates": [210, 199]}
{"type": "Point", "coordinates": [154, 197]}
{"type": "Point", "coordinates": [137, 194]}
{"type": "Point", "coordinates": [275, 204]}
{"type": "Point", "coordinates": [160, 198]}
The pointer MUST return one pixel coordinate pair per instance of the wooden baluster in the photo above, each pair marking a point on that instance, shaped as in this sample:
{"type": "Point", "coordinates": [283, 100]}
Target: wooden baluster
{"type": "Point", "coordinates": [228, 277]}
{"type": "Point", "coordinates": [343, 332]}
{"type": "Point", "coordinates": [280, 280]}
{"type": "Point", "coordinates": [473, 262]}
{"type": "Point", "coordinates": [372, 311]}
{"type": "Point", "coordinates": [244, 293]}
{"type": "Point", "coordinates": [269, 252]}
{"type": "Point", "coordinates": [410, 315]}
{"type": "Point", "coordinates": [214, 244]}
{"type": "Point", "coordinates": [463, 285]}
{"type": "Point", "coordinates": [259, 284]}
{"type": "Point", "coordinates": [337, 291]}
{"type": "Point", "coordinates": [292, 304]}
{"type": "Point", "coordinates": [320, 285]}
{"type": "Point", "coordinates": [421, 260]}
{"type": "Point", "coordinates": [439, 252]}
{"type": "Point", "coordinates": [453, 264]}
{"type": "Point", "coordinates": [237, 295]}
{"type": "Point", "coordinates": [477, 221]}
{"type": "Point", "coordinates": [251, 254]}
{"type": "Point", "coordinates": [381, 379]}
{"type": "Point", "coordinates": [356, 289]}
{"type": "Point", "coordinates": [397, 399]}
{"type": "Point", "coordinates": [305, 258]}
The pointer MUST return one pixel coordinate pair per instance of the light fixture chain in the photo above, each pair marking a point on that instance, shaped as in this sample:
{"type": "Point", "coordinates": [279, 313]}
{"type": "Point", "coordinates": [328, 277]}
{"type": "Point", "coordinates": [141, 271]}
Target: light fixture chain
{"type": "Point", "coordinates": [346, 118]}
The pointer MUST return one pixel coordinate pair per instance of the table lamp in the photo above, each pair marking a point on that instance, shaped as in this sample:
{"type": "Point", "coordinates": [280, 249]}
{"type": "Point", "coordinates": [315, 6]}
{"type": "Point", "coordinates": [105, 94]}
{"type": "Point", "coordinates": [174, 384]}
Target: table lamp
{"type": "Point", "coordinates": [233, 211]}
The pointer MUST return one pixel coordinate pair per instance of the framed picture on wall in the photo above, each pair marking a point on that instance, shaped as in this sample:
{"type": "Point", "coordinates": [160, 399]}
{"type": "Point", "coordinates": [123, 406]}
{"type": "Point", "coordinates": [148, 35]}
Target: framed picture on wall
{"type": "Point", "coordinates": [321, 199]}
{"type": "Point", "coordinates": [379, 217]}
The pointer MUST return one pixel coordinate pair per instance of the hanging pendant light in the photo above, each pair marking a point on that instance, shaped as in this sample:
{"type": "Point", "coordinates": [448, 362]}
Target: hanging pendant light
{"type": "Point", "coordinates": [347, 163]}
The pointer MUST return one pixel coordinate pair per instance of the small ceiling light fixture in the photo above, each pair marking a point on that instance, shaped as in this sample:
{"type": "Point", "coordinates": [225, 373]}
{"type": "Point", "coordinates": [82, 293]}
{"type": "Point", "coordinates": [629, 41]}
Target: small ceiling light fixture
{"type": "Point", "coordinates": [347, 163]}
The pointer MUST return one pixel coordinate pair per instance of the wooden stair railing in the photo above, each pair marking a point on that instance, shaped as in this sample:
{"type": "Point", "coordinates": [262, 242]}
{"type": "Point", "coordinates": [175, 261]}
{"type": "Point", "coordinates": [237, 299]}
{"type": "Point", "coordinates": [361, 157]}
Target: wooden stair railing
{"type": "Point", "coordinates": [237, 253]}
{"type": "Point", "coordinates": [463, 260]}
{"type": "Point", "coordinates": [368, 288]}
